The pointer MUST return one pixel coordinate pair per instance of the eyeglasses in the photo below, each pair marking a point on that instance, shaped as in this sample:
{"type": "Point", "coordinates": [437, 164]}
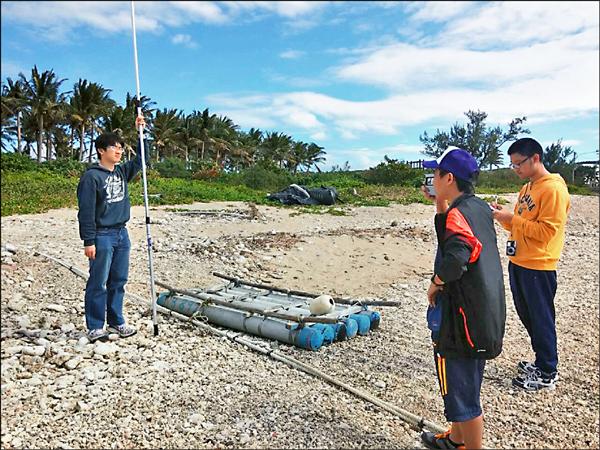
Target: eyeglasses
{"type": "Point", "coordinates": [115, 147]}
{"type": "Point", "coordinates": [519, 164]}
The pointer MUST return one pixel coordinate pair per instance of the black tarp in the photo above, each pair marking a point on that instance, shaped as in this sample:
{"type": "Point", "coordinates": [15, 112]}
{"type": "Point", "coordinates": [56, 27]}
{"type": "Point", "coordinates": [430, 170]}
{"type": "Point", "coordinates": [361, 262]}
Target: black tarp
{"type": "Point", "coordinates": [301, 195]}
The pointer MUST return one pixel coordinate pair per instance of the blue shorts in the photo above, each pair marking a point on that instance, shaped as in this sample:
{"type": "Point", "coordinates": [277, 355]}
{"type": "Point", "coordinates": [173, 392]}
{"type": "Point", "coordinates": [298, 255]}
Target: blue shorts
{"type": "Point", "coordinates": [460, 384]}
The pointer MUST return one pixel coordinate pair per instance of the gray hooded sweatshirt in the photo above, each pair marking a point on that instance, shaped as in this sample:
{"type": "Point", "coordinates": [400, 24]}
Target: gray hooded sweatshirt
{"type": "Point", "coordinates": [103, 196]}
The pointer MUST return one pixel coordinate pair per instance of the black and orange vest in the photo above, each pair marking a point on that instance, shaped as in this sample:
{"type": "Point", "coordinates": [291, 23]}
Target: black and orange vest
{"type": "Point", "coordinates": [474, 311]}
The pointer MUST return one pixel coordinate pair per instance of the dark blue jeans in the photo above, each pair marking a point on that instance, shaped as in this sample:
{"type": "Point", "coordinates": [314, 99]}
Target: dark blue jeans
{"type": "Point", "coordinates": [533, 293]}
{"type": "Point", "coordinates": [105, 287]}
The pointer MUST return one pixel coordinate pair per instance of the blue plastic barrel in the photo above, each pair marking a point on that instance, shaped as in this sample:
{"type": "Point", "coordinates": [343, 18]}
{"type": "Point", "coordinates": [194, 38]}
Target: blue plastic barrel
{"type": "Point", "coordinates": [327, 330]}
{"type": "Point", "coordinates": [180, 305]}
{"type": "Point", "coordinates": [374, 317]}
{"type": "Point", "coordinates": [346, 329]}
{"type": "Point", "coordinates": [364, 323]}
{"type": "Point", "coordinates": [309, 338]}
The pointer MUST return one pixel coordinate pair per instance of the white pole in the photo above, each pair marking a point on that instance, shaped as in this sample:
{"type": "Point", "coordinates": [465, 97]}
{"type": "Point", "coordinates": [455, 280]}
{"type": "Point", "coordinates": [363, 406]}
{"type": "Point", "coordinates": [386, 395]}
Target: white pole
{"type": "Point", "coordinates": [141, 134]}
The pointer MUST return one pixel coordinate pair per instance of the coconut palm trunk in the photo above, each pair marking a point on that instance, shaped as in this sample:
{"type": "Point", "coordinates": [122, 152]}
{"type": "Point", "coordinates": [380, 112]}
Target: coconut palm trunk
{"type": "Point", "coordinates": [82, 143]}
{"type": "Point", "coordinates": [40, 137]}
{"type": "Point", "coordinates": [19, 132]}
{"type": "Point", "coordinates": [91, 140]}
{"type": "Point", "coordinates": [48, 146]}
{"type": "Point", "coordinates": [72, 141]}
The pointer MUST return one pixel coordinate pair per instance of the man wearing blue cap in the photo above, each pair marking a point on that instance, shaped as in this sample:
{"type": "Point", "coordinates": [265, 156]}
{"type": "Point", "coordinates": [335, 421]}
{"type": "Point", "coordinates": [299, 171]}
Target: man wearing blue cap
{"type": "Point", "coordinates": [467, 288]}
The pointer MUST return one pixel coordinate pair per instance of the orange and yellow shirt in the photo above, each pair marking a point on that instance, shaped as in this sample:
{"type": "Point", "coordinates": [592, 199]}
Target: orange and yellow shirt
{"type": "Point", "coordinates": [538, 224]}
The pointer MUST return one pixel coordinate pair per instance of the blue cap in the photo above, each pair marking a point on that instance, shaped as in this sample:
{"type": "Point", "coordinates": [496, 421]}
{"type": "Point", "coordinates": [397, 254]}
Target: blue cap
{"type": "Point", "coordinates": [457, 161]}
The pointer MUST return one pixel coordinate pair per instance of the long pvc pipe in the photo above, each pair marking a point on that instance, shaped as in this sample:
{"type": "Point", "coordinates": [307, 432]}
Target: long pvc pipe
{"type": "Point", "coordinates": [144, 180]}
{"type": "Point", "coordinates": [340, 300]}
{"type": "Point", "coordinates": [276, 305]}
{"type": "Point", "coordinates": [271, 299]}
{"type": "Point", "coordinates": [281, 298]}
{"type": "Point", "coordinates": [265, 327]}
{"type": "Point", "coordinates": [419, 423]}
{"type": "Point", "coordinates": [237, 304]}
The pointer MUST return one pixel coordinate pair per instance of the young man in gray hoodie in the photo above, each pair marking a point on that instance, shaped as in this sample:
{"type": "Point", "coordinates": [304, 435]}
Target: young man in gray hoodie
{"type": "Point", "coordinates": [104, 210]}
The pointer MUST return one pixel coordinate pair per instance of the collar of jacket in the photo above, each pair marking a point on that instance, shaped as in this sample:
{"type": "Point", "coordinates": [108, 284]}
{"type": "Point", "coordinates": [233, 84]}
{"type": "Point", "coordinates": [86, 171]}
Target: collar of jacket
{"type": "Point", "coordinates": [458, 200]}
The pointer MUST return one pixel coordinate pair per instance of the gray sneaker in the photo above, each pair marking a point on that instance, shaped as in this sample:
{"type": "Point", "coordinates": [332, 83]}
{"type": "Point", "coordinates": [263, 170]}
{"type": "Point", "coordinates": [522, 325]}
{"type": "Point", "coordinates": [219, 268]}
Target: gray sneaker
{"type": "Point", "coordinates": [535, 381]}
{"type": "Point", "coordinates": [526, 367]}
{"type": "Point", "coordinates": [122, 330]}
{"type": "Point", "coordinates": [98, 334]}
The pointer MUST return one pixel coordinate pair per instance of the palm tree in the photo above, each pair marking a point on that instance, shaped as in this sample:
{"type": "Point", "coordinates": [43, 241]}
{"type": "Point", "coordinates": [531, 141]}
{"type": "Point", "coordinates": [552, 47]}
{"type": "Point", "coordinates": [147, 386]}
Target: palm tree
{"type": "Point", "coordinates": [145, 102]}
{"type": "Point", "coordinates": [120, 120]}
{"type": "Point", "coordinates": [245, 148]}
{"type": "Point", "coordinates": [81, 106]}
{"type": "Point", "coordinates": [276, 147]}
{"type": "Point", "coordinates": [189, 134]}
{"type": "Point", "coordinates": [88, 102]}
{"type": "Point", "coordinates": [7, 129]}
{"type": "Point", "coordinates": [296, 156]}
{"type": "Point", "coordinates": [53, 125]}
{"type": "Point", "coordinates": [42, 98]}
{"type": "Point", "coordinates": [223, 135]}
{"type": "Point", "coordinates": [16, 101]}
{"type": "Point", "coordinates": [205, 123]}
{"type": "Point", "coordinates": [314, 155]}
{"type": "Point", "coordinates": [165, 131]}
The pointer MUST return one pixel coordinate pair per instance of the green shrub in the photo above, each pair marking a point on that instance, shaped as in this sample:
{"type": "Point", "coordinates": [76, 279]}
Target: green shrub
{"type": "Point", "coordinates": [262, 178]}
{"type": "Point", "coordinates": [579, 190]}
{"type": "Point", "coordinates": [498, 181]}
{"type": "Point", "coordinates": [394, 172]}
{"type": "Point", "coordinates": [213, 173]}
{"type": "Point", "coordinates": [338, 180]}
{"type": "Point", "coordinates": [64, 166]}
{"type": "Point", "coordinates": [36, 192]}
{"type": "Point", "coordinates": [178, 191]}
{"type": "Point", "coordinates": [172, 168]}
{"type": "Point", "coordinates": [17, 162]}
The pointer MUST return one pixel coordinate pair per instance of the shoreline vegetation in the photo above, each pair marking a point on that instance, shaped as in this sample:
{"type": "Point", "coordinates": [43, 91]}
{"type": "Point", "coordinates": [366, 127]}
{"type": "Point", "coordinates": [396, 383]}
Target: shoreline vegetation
{"type": "Point", "coordinates": [30, 188]}
{"type": "Point", "coordinates": [202, 156]}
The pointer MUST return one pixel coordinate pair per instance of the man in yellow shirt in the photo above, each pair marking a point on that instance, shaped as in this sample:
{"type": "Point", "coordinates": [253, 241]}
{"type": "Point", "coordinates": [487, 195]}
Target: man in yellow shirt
{"type": "Point", "coordinates": [537, 235]}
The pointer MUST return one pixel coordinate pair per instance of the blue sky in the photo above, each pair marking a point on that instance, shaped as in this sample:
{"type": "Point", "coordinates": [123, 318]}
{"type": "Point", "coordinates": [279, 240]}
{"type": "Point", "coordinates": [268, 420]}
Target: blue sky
{"type": "Point", "coordinates": [361, 79]}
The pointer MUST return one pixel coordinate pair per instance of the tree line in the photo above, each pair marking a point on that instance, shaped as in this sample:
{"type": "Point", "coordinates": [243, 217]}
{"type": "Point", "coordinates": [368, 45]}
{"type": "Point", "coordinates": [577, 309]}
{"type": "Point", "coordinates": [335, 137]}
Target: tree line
{"type": "Point", "coordinates": [38, 119]}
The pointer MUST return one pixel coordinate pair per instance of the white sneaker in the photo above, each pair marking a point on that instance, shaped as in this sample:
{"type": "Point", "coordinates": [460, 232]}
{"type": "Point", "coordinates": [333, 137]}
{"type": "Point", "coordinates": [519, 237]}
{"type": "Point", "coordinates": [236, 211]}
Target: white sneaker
{"type": "Point", "coordinates": [97, 334]}
{"type": "Point", "coordinates": [122, 330]}
{"type": "Point", "coordinates": [535, 381]}
{"type": "Point", "coordinates": [526, 367]}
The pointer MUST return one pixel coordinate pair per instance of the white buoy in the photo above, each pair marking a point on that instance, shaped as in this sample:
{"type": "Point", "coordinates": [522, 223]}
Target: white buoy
{"type": "Point", "coordinates": [323, 304]}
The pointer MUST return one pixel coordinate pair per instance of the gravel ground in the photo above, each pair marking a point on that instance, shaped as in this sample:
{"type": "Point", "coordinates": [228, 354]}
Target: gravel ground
{"type": "Point", "coordinates": [189, 389]}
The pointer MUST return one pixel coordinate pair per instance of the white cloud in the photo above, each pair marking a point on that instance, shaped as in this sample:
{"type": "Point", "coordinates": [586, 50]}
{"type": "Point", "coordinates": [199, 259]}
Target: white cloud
{"type": "Point", "coordinates": [290, 9]}
{"type": "Point", "coordinates": [199, 11]}
{"type": "Point", "coordinates": [286, 9]}
{"type": "Point", "coordinates": [517, 23]}
{"type": "Point", "coordinates": [364, 157]}
{"type": "Point", "coordinates": [564, 143]}
{"type": "Point", "coordinates": [405, 66]}
{"type": "Point", "coordinates": [562, 94]}
{"type": "Point", "coordinates": [549, 78]}
{"type": "Point", "coordinates": [430, 11]}
{"type": "Point", "coordinates": [11, 69]}
{"type": "Point", "coordinates": [358, 158]}
{"type": "Point", "coordinates": [184, 39]}
{"type": "Point", "coordinates": [401, 149]}
{"type": "Point", "coordinates": [295, 82]}
{"type": "Point", "coordinates": [291, 54]}
{"type": "Point", "coordinates": [60, 18]}
{"type": "Point", "coordinates": [319, 136]}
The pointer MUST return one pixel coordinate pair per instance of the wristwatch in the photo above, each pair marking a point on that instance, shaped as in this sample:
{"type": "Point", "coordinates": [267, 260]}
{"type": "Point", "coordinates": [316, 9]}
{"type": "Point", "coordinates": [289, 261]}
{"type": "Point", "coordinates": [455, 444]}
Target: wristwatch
{"type": "Point", "coordinates": [433, 281]}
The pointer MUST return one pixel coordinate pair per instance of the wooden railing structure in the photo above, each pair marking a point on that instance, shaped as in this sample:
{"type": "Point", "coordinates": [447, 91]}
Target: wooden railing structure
{"type": "Point", "coordinates": [415, 164]}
